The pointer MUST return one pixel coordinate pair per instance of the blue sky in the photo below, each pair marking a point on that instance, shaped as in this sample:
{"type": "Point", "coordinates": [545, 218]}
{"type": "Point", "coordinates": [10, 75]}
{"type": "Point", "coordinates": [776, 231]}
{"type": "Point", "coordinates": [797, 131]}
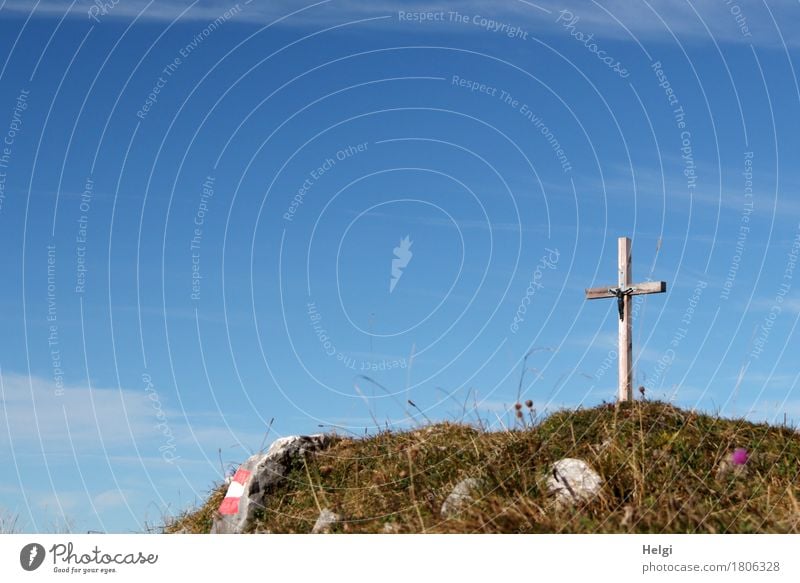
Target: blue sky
{"type": "Point", "coordinates": [203, 208]}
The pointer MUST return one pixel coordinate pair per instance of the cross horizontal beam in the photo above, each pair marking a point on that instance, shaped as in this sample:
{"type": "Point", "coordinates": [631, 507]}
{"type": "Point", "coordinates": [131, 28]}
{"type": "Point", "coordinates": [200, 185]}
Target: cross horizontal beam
{"type": "Point", "coordinates": [650, 287]}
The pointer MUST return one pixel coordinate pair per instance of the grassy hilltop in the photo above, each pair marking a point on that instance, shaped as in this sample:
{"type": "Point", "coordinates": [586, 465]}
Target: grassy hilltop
{"type": "Point", "coordinates": [664, 470]}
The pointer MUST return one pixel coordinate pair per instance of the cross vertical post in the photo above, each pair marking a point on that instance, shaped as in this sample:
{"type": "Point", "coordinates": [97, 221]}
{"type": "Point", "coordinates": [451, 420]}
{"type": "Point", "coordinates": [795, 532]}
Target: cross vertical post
{"type": "Point", "coordinates": [623, 292]}
{"type": "Point", "coordinates": [625, 392]}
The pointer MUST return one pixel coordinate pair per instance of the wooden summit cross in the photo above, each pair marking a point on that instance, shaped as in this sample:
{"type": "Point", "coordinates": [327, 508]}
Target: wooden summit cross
{"type": "Point", "coordinates": [623, 292]}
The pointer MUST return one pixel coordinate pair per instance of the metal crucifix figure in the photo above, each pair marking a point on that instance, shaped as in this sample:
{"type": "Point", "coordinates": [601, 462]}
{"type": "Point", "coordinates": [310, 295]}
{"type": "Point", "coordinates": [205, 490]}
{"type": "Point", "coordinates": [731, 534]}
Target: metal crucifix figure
{"type": "Point", "coordinates": [623, 292]}
{"type": "Point", "coordinates": [620, 294]}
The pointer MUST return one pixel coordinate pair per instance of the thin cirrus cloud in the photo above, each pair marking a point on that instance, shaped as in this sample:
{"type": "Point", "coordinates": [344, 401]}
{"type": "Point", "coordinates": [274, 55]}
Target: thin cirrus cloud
{"type": "Point", "coordinates": [38, 413]}
{"type": "Point", "coordinates": [104, 421]}
{"type": "Point", "coordinates": [737, 21]}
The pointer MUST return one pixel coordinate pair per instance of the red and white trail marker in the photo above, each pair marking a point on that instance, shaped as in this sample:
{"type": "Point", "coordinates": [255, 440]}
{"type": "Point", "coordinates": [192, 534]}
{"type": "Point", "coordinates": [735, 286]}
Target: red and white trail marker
{"type": "Point", "coordinates": [230, 505]}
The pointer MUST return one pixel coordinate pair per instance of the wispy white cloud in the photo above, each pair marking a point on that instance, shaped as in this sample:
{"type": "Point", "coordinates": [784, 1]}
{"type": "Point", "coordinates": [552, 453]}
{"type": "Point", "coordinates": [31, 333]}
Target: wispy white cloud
{"type": "Point", "coordinates": [37, 413]}
{"type": "Point", "coordinates": [65, 429]}
{"type": "Point", "coordinates": [791, 306]}
{"type": "Point", "coordinates": [91, 419]}
{"type": "Point", "coordinates": [64, 500]}
{"type": "Point", "coordinates": [745, 21]}
{"type": "Point", "coordinates": [109, 499]}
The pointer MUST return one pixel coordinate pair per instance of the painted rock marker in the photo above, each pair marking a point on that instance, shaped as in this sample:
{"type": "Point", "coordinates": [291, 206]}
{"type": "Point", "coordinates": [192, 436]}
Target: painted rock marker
{"type": "Point", "coordinates": [230, 504]}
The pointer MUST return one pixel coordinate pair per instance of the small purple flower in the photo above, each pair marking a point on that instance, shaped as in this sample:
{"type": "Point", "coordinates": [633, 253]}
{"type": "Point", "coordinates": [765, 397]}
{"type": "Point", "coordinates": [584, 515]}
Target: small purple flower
{"type": "Point", "coordinates": [739, 456]}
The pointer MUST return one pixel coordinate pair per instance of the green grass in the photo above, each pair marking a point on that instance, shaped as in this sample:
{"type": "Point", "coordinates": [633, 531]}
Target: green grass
{"type": "Point", "coordinates": [660, 467]}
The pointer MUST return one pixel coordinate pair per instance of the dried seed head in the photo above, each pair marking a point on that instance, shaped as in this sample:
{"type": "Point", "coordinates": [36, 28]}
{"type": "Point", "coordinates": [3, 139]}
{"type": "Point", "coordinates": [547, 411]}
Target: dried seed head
{"type": "Point", "coordinates": [529, 404]}
{"type": "Point", "coordinates": [518, 406]}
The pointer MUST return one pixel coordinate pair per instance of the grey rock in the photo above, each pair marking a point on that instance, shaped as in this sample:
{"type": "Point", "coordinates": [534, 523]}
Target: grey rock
{"type": "Point", "coordinates": [572, 481]}
{"type": "Point", "coordinates": [267, 471]}
{"type": "Point", "coordinates": [460, 497]}
{"type": "Point", "coordinates": [326, 520]}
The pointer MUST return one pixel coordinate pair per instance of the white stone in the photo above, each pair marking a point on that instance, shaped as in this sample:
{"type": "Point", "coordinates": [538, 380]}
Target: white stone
{"type": "Point", "coordinates": [267, 471]}
{"type": "Point", "coordinates": [573, 480]}
{"type": "Point", "coordinates": [325, 521]}
{"type": "Point", "coordinates": [460, 497]}
{"type": "Point", "coordinates": [291, 443]}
